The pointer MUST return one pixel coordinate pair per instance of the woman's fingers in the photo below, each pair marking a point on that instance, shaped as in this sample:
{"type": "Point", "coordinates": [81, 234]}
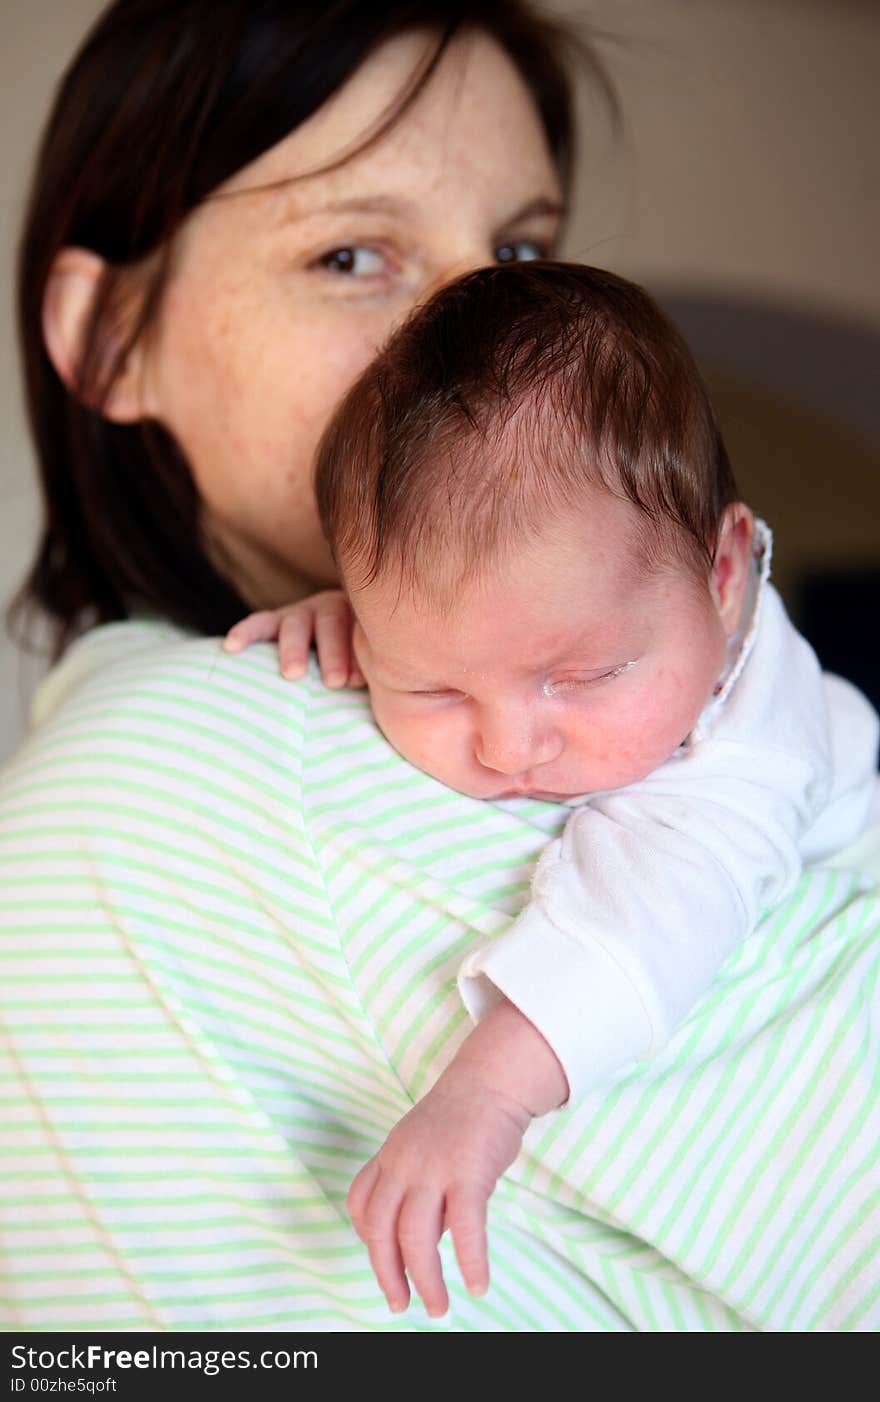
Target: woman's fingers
{"type": "Point", "coordinates": [419, 1228]}
{"type": "Point", "coordinates": [256, 628]}
{"type": "Point", "coordinates": [466, 1220]}
{"type": "Point", "coordinates": [374, 1204]}
{"type": "Point", "coordinates": [333, 640]}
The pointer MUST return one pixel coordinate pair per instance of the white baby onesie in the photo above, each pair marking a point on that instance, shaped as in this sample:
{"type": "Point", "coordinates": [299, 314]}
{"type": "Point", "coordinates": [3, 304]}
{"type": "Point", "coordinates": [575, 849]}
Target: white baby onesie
{"type": "Point", "coordinates": [651, 886]}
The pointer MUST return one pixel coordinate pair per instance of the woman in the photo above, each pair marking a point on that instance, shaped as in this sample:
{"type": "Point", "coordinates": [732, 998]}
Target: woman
{"type": "Point", "coordinates": [231, 916]}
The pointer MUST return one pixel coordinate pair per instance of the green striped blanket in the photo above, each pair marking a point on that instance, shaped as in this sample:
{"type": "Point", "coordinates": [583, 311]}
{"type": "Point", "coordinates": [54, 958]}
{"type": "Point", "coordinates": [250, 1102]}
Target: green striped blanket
{"type": "Point", "coordinates": [230, 924]}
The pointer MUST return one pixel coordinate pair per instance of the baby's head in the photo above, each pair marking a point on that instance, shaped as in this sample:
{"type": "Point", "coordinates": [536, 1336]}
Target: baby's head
{"type": "Point", "coordinates": [534, 516]}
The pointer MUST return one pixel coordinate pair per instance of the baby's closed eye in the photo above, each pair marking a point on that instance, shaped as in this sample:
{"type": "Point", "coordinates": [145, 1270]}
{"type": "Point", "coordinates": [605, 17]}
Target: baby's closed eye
{"type": "Point", "coordinates": [590, 679]}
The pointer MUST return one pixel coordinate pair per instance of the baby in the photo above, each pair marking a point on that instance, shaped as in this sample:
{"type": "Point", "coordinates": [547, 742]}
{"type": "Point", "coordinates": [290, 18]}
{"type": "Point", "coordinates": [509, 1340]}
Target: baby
{"type": "Point", "coordinates": [557, 595]}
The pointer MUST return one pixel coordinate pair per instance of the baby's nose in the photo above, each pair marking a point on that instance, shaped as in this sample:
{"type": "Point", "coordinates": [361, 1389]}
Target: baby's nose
{"type": "Point", "coordinates": [514, 745]}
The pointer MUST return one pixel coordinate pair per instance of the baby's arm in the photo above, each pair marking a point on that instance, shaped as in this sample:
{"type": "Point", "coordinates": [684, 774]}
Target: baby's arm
{"type": "Point", "coordinates": [439, 1165]}
{"type": "Point", "coordinates": [323, 618]}
{"type": "Point", "coordinates": [633, 912]}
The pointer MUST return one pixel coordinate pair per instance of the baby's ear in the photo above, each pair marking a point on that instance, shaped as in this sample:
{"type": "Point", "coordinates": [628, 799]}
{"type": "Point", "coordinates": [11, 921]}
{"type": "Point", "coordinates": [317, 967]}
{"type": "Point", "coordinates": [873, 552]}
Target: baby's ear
{"type": "Point", "coordinates": [733, 561]}
{"type": "Point", "coordinates": [74, 286]}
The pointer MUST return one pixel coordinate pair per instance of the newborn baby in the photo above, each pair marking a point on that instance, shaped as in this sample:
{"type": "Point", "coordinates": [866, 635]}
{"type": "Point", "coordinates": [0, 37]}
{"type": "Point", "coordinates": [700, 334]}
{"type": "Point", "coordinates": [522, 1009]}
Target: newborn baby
{"type": "Point", "coordinates": [553, 592]}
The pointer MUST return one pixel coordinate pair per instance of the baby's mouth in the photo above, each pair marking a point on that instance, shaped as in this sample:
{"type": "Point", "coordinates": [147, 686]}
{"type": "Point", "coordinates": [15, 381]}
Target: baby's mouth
{"type": "Point", "coordinates": [529, 792]}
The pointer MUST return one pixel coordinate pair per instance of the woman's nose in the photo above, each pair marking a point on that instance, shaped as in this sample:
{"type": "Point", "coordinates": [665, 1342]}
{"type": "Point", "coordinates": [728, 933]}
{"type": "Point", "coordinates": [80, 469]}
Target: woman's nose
{"type": "Point", "coordinates": [467, 260]}
{"type": "Point", "coordinates": [515, 744]}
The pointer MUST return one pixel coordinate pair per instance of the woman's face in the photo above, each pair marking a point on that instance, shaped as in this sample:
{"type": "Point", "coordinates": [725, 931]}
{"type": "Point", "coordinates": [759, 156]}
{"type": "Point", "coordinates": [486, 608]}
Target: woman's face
{"type": "Point", "coordinates": [279, 297]}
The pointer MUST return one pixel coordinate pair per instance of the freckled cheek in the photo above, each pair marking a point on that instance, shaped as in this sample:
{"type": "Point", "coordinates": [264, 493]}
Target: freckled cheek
{"type": "Point", "coordinates": [302, 384]}
{"type": "Point", "coordinates": [242, 373]}
{"type": "Point", "coordinates": [209, 392]}
{"type": "Point", "coordinates": [347, 346]}
{"type": "Point", "coordinates": [323, 349]}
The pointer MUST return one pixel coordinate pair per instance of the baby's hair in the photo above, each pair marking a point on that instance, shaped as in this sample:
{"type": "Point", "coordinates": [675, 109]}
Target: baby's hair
{"type": "Point", "coordinates": [497, 408]}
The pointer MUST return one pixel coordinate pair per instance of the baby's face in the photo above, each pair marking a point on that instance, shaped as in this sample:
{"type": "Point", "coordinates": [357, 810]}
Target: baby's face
{"type": "Point", "coordinates": [566, 672]}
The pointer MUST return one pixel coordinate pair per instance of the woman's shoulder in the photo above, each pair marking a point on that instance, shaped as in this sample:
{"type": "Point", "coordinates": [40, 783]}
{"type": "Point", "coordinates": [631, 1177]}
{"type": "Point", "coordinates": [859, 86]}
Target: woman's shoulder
{"type": "Point", "coordinates": [99, 655]}
{"type": "Point", "coordinates": [127, 667]}
{"type": "Point", "coordinates": [153, 750]}
{"type": "Point", "coordinates": [142, 706]}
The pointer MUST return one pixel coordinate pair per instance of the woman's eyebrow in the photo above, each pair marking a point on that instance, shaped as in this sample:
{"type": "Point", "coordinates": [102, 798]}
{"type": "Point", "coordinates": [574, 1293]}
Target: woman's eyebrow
{"type": "Point", "coordinates": [368, 204]}
{"type": "Point", "coordinates": [534, 209]}
{"type": "Point", "coordinates": [396, 205]}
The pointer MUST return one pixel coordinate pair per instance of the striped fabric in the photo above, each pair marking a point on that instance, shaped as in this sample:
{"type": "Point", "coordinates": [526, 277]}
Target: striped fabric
{"type": "Point", "coordinates": [230, 924]}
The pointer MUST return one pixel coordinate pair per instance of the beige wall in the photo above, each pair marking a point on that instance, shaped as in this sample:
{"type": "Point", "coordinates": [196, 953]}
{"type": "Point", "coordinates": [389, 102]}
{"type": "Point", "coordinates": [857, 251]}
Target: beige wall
{"type": "Point", "coordinates": [744, 191]}
{"type": "Point", "coordinates": [36, 41]}
{"type": "Point", "coordinates": [752, 160]}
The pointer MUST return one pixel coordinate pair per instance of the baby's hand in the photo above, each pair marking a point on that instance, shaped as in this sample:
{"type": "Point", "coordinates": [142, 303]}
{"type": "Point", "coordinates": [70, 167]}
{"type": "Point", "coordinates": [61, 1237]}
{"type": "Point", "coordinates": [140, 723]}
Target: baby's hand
{"type": "Point", "coordinates": [325, 618]}
{"type": "Point", "coordinates": [438, 1167]}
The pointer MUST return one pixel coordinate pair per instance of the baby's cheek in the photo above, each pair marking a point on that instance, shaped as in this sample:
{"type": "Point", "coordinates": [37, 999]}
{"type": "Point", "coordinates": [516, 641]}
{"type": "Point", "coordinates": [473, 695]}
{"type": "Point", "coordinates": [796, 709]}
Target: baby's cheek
{"type": "Point", "coordinates": [443, 747]}
{"type": "Point", "coordinates": [432, 744]}
{"type": "Point", "coordinates": [421, 739]}
{"type": "Point", "coordinates": [643, 734]}
{"type": "Point", "coordinates": [670, 715]}
{"type": "Point", "coordinates": [387, 717]}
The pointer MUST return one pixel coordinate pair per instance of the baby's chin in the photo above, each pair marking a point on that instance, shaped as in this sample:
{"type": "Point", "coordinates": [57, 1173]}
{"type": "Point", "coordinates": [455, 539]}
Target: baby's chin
{"type": "Point", "coordinates": [492, 789]}
{"type": "Point", "coordinates": [606, 782]}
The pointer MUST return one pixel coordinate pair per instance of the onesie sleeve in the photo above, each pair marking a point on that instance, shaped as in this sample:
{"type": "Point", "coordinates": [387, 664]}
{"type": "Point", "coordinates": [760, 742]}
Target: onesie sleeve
{"type": "Point", "coordinates": [635, 908]}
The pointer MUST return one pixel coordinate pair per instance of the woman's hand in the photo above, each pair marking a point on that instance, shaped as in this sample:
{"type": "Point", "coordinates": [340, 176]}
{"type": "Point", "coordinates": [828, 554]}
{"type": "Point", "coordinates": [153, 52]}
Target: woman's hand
{"type": "Point", "coordinates": [439, 1165]}
{"type": "Point", "coordinates": [325, 619]}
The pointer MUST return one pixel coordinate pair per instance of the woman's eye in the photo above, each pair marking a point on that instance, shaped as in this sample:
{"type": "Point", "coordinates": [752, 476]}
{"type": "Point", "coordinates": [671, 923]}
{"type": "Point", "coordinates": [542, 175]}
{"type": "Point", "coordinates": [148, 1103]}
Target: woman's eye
{"type": "Point", "coordinates": [521, 251]}
{"type": "Point", "coordinates": [352, 260]}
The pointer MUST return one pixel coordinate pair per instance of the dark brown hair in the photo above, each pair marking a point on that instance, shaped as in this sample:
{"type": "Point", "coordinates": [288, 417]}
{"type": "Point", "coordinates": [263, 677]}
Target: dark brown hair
{"type": "Point", "coordinates": [165, 100]}
{"type": "Point", "coordinates": [507, 396]}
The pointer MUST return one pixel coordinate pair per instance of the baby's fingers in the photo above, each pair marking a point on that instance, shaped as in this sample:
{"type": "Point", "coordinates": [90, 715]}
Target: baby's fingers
{"type": "Point", "coordinates": [419, 1229]}
{"type": "Point", "coordinates": [466, 1220]}
{"type": "Point", "coordinates": [360, 1192]}
{"type": "Point", "coordinates": [256, 628]}
{"type": "Point", "coordinates": [374, 1204]}
{"type": "Point", "coordinates": [333, 639]}
{"type": "Point", "coordinates": [294, 641]}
